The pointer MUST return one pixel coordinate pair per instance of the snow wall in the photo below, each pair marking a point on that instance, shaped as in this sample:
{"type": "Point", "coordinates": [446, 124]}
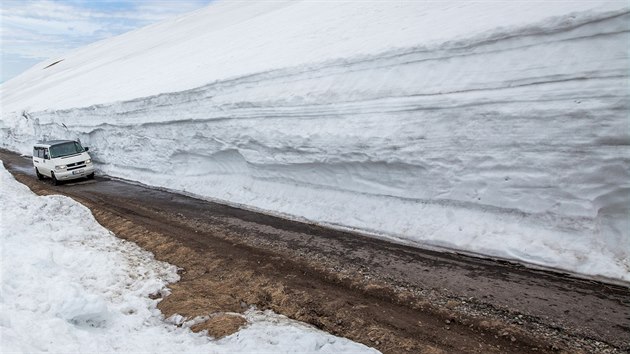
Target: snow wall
{"type": "Point", "coordinates": [507, 139]}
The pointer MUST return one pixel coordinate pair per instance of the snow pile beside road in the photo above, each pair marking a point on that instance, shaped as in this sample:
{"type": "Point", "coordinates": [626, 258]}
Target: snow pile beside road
{"type": "Point", "coordinates": [492, 128]}
{"type": "Point", "coordinates": [70, 286]}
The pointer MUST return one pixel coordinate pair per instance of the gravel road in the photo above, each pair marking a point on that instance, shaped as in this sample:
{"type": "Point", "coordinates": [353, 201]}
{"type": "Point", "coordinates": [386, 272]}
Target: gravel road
{"type": "Point", "coordinates": [392, 297]}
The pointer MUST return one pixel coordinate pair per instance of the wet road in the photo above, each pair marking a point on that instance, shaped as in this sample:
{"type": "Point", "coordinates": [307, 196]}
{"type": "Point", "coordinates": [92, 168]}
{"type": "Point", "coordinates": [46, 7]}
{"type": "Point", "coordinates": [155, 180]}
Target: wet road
{"type": "Point", "coordinates": [393, 297]}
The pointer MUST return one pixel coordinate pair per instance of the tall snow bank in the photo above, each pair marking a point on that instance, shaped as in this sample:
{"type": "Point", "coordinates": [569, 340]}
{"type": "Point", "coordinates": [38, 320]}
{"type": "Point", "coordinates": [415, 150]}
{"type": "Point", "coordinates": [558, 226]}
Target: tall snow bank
{"type": "Point", "coordinates": [70, 286]}
{"type": "Point", "coordinates": [498, 129]}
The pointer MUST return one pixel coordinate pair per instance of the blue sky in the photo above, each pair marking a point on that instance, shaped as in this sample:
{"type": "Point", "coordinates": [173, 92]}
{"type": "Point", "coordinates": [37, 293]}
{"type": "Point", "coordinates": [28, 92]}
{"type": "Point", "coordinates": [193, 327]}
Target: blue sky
{"type": "Point", "coordinates": [35, 30]}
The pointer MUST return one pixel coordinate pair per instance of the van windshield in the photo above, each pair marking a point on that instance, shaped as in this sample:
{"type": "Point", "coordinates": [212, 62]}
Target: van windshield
{"type": "Point", "coordinates": [65, 149]}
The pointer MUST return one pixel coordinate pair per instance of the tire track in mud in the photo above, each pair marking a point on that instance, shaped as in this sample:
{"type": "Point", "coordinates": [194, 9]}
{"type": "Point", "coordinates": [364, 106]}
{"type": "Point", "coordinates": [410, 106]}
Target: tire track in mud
{"type": "Point", "coordinates": [391, 297]}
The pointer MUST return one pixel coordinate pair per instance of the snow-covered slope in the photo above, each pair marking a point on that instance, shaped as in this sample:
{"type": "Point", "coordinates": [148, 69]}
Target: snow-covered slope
{"type": "Point", "coordinates": [489, 127]}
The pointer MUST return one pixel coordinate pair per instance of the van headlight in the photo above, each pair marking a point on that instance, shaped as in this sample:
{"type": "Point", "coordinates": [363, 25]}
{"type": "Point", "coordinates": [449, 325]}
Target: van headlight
{"type": "Point", "coordinates": [88, 161]}
{"type": "Point", "coordinates": [60, 167]}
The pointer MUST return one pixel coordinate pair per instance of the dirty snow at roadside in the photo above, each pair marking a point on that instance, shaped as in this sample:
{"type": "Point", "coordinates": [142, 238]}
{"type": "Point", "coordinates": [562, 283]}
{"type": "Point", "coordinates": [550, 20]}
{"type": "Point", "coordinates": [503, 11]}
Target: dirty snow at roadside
{"type": "Point", "coordinates": [70, 286]}
{"type": "Point", "coordinates": [498, 128]}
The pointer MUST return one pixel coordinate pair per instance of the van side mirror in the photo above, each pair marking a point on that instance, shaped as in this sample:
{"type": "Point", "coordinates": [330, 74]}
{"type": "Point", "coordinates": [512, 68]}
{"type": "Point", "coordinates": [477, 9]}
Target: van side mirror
{"type": "Point", "coordinates": [46, 156]}
{"type": "Point", "coordinates": [86, 148]}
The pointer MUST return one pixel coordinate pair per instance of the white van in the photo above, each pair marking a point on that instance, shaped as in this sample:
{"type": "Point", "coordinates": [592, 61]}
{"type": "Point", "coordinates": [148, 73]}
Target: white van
{"type": "Point", "coordinates": [62, 160]}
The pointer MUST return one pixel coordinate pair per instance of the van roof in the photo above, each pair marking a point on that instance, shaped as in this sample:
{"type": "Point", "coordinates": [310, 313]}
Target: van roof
{"type": "Point", "coordinates": [50, 143]}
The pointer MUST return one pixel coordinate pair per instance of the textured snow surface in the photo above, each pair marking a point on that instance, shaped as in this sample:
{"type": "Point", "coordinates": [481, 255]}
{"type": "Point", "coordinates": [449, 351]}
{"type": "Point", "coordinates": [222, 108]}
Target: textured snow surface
{"type": "Point", "coordinates": [70, 286]}
{"type": "Point", "coordinates": [496, 128]}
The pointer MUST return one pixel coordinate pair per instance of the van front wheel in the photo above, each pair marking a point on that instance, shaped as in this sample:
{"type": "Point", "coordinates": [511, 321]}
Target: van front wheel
{"type": "Point", "coordinates": [39, 175]}
{"type": "Point", "coordinates": [54, 179]}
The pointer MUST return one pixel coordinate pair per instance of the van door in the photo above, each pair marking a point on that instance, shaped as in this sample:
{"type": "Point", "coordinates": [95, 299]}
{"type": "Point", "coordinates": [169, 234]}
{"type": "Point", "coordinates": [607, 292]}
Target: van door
{"type": "Point", "coordinates": [38, 159]}
{"type": "Point", "coordinates": [46, 163]}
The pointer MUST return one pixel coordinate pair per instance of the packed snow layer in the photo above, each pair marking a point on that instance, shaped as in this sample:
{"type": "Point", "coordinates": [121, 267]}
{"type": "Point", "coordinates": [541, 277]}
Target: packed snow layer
{"type": "Point", "coordinates": [85, 291]}
{"type": "Point", "coordinates": [491, 128]}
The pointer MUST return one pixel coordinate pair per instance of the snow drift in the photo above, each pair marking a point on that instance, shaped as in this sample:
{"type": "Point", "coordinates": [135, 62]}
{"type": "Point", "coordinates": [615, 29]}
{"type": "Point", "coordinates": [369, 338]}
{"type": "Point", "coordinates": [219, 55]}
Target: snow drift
{"type": "Point", "coordinates": [88, 291]}
{"type": "Point", "coordinates": [490, 128]}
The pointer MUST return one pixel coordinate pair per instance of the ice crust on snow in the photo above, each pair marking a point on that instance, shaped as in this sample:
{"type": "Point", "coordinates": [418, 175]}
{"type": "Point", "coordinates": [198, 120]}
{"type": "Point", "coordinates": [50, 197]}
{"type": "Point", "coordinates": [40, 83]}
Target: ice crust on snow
{"type": "Point", "coordinates": [86, 291]}
{"type": "Point", "coordinates": [490, 128]}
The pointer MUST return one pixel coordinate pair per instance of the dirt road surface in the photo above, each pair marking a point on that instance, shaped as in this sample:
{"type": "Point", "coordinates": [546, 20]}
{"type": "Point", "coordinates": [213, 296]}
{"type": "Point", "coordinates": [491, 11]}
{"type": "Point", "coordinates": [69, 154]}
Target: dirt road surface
{"type": "Point", "coordinates": [392, 297]}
